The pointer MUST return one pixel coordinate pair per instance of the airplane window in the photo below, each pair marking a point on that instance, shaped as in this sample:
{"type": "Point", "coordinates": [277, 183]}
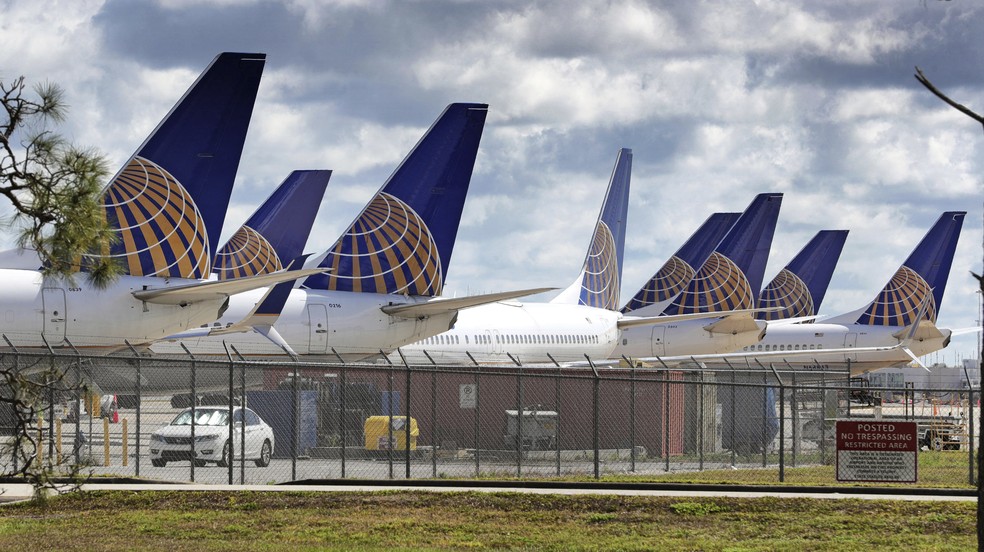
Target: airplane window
{"type": "Point", "coordinates": [796, 347]}
{"type": "Point", "coordinates": [625, 341]}
{"type": "Point", "coordinates": [760, 347]}
{"type": "Point", "coordinates": [782, 347]}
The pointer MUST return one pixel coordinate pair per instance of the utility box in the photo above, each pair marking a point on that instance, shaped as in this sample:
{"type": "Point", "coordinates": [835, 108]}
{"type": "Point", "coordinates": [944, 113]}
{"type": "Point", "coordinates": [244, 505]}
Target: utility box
{"type": "Point", "coordinates": [377, 430]}
{"type": "Point", "coordinates": [539, 429]}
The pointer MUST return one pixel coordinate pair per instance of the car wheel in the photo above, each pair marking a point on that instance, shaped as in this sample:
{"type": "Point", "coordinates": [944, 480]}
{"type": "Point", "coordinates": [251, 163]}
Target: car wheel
{"type": "Point", "coordinates": [199, 463]}
{"type": "Point", "coordinates": [266, 451]}
{"type": "Point", "coordinates": [158, 462]}
{"type": "Point", "coordinates": [226, 455]}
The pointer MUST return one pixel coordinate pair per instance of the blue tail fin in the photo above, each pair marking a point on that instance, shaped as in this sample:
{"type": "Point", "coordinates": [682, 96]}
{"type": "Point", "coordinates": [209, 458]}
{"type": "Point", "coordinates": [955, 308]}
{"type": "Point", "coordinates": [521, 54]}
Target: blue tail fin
{"type": "Point", "coordinates": [799, 288]}
{"type": "Point", "coordinates": [671, 278]}
{"type": "Point", "coordinates": [277, 231]}
{"type": "Point", "coordinates": [732, 275]}
{"type": "Point", "coordinates": [925, 271]}
{"type": "Point", "coordinates": [402, 241]}
{"type": "Point", "coordinates": [601, 276]}
{"type": "Point", "coordinates": [170, 199]}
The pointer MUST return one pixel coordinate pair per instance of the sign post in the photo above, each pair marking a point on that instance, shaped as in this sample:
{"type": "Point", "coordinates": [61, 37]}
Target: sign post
{"type": "Point", "coordinates": [877, 451]}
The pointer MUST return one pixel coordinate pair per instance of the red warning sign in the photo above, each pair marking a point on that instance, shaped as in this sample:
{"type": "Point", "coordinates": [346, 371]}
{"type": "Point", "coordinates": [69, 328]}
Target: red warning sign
{"type": "Point", "coordinates": [874, 450]}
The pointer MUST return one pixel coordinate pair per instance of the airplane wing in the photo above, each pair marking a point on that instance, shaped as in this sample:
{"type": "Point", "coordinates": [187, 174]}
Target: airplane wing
{"type": "Point", "coordinates": [736, 317]}
{"type": "Point", "coordinates": [218, 290]}
{"type": "Point", "coordinates": [443, 305]}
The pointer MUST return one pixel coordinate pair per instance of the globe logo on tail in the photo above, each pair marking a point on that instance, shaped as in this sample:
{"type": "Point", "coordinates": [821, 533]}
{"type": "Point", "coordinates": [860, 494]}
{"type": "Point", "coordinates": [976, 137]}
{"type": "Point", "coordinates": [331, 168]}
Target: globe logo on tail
{"type": "Point", "coordinates": [899, 303]}
{"type": "Point", "coordinates": [599, 286]}
{"type": "Point", "coordinates": [247, 253]}
{"type": "Point", "coordinates": [161, 230]}
{"type": "Point", "coordinates": [789, 292]}
{"type": "Point", "coordinates": [718, 286]}
{"type": "Point", "coordinates": [388, 249]}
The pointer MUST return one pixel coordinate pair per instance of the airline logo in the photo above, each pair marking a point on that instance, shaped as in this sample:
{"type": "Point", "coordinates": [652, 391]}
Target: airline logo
{"type": "Point", "coordinates": [666, 284]}
{"type": "Point", "coordinates": [899, 303]}
{"type": "Point", "coordinates": [788, 291]}
{"type": "Point", "coordinates": [599, 287]}
{"type": "Point", "coordinates": [247, 254]}
{"type": "Point", "coordinates": [718, 286]}
{"type": "Point", "coordinates": [388, 249]}
{"type": "Point", "coordinates": [162, 233]}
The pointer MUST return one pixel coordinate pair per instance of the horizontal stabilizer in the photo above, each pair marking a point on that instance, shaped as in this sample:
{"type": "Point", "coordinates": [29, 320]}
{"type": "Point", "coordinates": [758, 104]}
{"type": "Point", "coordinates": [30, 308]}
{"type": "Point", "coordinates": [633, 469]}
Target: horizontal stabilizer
{"type": "Point", "coordinates": [924, 329]}
{"type": "Point", "coordinates": [205, 291]}
{"type": "Point", "coordinates": [631, 322]}
{"type": "Point", "coordinates": [443, 305]}
{"type": "Point", "coordinates": [965, 331]}
{"type": "Point", "coordinates": [769, 355]}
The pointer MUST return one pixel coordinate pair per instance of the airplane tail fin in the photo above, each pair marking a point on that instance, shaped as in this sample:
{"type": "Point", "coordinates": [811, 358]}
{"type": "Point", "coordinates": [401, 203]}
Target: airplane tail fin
{"type": "Point", "coordinates": [170, 199]}
{"type": "Point", "coordinates": [277, 231]}
{"type": "Point", "coordinates": [799, 288]}
{"type": "Point", "coordinates": [671, 278]}
{"type": "Point", "coordinates": [923, 274]}
{"type": "Point", "coordinates": [732, 275]}
{"type": "Point", "coordinates": [601, 276]}
{"type": "Point", "coordinates": [402, 241]}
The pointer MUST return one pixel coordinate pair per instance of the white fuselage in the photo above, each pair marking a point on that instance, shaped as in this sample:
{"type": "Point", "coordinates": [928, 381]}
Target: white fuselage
{"type": "Point", "coordinates": [531, 333]}
{"type": "Point", "coordinates": [37, 311]}
{"type": "Point", "coordinates": [809, 341]}
{"type": "Point", "coordinates": [318, 323]}
{"type": "Point", "coordinates": [687, 337]}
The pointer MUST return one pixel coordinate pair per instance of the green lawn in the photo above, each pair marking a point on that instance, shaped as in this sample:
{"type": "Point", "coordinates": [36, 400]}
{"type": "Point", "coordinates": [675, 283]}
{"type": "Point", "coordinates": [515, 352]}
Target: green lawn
{"type": "Point", "coordinates": [183, 520]}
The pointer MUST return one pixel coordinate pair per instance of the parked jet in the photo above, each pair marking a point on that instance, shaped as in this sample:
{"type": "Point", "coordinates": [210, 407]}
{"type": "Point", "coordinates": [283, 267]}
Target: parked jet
{"type": "Point", "coordinates": [897, 327]}
{"type": "Point", "coordinates": [168, 204]}
{"type": "Point", "coordinates": [726, 284]}
{"type": "Point", "coordinates": [387, 270]}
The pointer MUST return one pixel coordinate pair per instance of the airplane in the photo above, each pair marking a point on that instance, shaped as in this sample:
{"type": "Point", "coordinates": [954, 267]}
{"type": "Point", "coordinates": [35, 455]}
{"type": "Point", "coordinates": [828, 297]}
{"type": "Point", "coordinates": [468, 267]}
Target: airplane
{"type": "Point", "coordinates": [581, 320]}
{"type": "Point", "coordinates": [387, 269]}
{"type": "Point", "coordinates": [895, 328]}
{"type": "Point", "coordinates": [720, 298]}
{"type": "Point", "coordinates": [799, 288]}
{"type": "Point", "coordinates": [167, 203]}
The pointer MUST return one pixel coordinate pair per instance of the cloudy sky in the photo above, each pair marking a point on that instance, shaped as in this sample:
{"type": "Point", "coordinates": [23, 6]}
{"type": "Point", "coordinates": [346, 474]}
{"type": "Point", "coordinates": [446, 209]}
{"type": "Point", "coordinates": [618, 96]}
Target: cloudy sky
{"type": "Point", "coordinates": [718, 100]}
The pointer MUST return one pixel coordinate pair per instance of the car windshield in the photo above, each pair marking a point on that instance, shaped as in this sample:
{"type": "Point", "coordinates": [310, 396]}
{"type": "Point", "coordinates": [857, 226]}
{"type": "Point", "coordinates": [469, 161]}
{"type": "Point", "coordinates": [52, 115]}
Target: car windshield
{"type": "Point", "coordinates": [203, 416]}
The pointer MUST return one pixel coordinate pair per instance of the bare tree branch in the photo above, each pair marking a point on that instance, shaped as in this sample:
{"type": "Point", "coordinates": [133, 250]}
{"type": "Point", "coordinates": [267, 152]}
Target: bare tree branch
{"type": "Point", "coordinates": [959, 107]}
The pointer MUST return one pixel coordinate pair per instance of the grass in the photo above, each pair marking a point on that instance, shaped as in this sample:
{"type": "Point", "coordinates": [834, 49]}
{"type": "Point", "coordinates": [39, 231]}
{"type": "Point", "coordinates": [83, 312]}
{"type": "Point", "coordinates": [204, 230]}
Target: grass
{"type": "Point", "coordinates": [184, 520]}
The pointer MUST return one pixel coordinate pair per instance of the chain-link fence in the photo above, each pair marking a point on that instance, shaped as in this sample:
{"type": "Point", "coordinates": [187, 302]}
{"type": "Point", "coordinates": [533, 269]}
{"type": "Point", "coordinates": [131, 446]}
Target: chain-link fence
{"type": "Point", "coordinates": [172, 419]}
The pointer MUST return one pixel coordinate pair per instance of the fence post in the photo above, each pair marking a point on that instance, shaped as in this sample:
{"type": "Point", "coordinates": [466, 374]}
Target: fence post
{"type": "Point", "coordinates": [477, 423]}
{"type": "Point", "coordinates": [795, 415]}
{"type": "Point", "coordinates": [194, 406]}
{"type": "Point", "coordinates": [970, 433]}
{"type": "Point", "coordinates": [519, 422]}
{"type": "Point", "coordinates": [435, 444]}
{"type": "Point", "coordinates": [666, 421]}
{"type": "Point", "coordinates": [406, 409]}
{"type": "Point", "coordinates": [389, 424]}
{"type": "Point", "coordinates": [557, 410]}
{"type": "Point", "coordinates": [242, 425]}
{"type": "Point", "coordinates": [341, 415]}
{"type": "Point", "coordinates": [596, 440]}
{"type": "Point", "coordinates": [632, 416]}
{"type": "Point", "coordinates": [700, 422]}
{"type": "Point", "coordinates": [296, 414]}
{"type": "Point", "coordinates": [228, 457]}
